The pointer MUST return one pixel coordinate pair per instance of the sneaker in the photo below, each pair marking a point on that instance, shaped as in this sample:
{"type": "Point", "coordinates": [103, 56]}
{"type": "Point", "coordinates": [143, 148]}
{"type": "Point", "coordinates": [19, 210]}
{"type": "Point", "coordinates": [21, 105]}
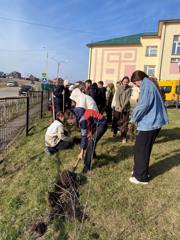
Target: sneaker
{"type": "Point", "coordinates": [47, 152]}
{"type": "Point", "coordinates": [149, 175]}
{"type": "Point", "coordinates": [134, 180]}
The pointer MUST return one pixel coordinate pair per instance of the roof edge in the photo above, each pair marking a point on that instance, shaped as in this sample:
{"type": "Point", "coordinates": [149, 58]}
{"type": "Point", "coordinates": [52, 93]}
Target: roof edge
{"type": "Point", "coordinates": [100, 43]}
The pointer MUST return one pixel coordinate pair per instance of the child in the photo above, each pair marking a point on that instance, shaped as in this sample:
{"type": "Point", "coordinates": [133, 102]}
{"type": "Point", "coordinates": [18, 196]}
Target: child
{"type": "Point", "coordinates": [55, 137]}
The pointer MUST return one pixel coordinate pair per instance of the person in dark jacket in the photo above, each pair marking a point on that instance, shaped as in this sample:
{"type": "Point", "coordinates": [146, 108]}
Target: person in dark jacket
{"type": "Point", "coordinates": [102, 97]}
{"type": "Point", "coordinates": [93, 125]}
{"type": "Point", "coordinates": [67, 100]}
{"type": "Point", "coordinates": [88, 84]}
{"type": "Point", "coordinates": [94, 93]}
{"type": "Point", "coordinates": [109, 97]}
{"type": "Point", "coordinates": [58, 98]}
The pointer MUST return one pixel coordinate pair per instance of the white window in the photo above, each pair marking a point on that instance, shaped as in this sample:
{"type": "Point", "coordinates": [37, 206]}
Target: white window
{"type": "Point", "coordinates": [151, 51]}
{"type": "Point", "coordinates": [175, 60]}
{"type": "Point", "coordinates": [150, 70]}
{"type": "Point", "coordinates": [176, 45]}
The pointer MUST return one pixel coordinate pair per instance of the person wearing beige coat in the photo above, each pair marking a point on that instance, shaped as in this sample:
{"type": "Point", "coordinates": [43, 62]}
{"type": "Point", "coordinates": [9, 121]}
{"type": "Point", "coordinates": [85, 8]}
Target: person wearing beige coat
{"type": "Point", "coordinates": [121, 108]}
{"type": "Point", "coordinates": [82, 100]}
{"type": "Point", "coordinates": [55, 137]}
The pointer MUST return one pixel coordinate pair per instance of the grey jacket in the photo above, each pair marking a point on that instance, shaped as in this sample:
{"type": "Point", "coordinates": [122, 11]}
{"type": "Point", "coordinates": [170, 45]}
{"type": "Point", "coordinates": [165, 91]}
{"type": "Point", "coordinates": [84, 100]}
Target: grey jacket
{"type": "Point", "coordinates": [122, 98]}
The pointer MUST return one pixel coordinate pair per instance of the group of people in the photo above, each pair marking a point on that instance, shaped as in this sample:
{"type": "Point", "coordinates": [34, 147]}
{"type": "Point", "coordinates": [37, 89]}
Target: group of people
{"type": "Point", "coordinates": [92, 107]}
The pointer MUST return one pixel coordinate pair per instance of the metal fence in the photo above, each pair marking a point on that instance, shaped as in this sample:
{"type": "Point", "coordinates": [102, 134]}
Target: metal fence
{"type": "Point", "coordinates": [19, 113]}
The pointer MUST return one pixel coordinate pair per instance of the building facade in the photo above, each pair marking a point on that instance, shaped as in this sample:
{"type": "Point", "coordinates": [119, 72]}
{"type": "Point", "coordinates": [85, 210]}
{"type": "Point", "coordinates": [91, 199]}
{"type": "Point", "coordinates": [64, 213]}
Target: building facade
{"type": "Point", "coordinates": [158, 54]}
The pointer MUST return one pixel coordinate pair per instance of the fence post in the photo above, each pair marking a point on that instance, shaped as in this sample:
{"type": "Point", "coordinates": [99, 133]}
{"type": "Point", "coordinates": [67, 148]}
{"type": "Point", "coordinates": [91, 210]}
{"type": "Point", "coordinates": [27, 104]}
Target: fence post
{"type": "Point", "coordinates": [27, 115]}
{"type": "Point", "coordinates": [41, 104]}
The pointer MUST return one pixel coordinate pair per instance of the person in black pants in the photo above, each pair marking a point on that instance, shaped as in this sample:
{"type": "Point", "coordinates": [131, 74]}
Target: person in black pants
{"type": "Point", "coordinates": [102, 97]}
{"type": "Point", "coordinates": [58, 100]}
{"type": "Point", "coordinates": [142, 151]}
{"type": "Point", "coordinates": [149, 116]}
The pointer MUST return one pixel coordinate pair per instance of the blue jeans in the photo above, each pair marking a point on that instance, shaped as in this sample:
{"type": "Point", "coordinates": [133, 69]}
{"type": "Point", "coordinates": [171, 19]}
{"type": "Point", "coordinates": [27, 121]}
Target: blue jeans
{"type": "Point", "coordinates": [90, 151]}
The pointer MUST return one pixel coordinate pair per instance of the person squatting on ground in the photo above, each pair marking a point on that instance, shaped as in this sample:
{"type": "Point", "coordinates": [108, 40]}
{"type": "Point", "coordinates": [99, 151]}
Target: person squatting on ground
{"type": "Point", "coordinates": [93, 125]}
{"type": "Point", "coordinates": [56, 137]}
{"type": "Point", "coordinates": [149, 115]}
{"type": "Point", "coordinates": [121, 108]}
{"type": "Point", "coordinates": [82, 100]}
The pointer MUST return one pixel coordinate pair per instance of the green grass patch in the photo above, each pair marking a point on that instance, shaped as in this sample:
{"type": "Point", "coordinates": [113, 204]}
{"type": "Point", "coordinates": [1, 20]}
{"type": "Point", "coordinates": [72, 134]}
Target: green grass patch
{"type": "Point", "coordinates": [116, 208]}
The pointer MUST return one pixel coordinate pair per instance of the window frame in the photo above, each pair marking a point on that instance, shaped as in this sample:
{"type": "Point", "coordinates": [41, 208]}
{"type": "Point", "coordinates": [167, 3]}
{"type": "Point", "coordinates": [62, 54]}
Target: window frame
{"type": "Point", "coordinates": [175, 60]}
{"type": "Point", "coordinates": [176, 45]}
{"type": "Point", "coordinates": [150, 67]}
{"type": "Point", "coordinates": [149, 49]}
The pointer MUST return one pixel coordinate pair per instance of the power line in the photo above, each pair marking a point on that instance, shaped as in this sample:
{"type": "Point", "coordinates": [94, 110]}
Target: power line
{"type": "Point", "coordinates": [48, 26]}
{"type": "Point", "coordinates": [21, 50]}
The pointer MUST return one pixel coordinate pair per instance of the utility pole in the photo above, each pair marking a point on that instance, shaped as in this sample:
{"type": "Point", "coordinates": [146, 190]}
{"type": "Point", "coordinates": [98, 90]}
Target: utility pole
{"type": "Point", "coordinates": [46, 60]}
{"type": "Point", "coordinates": [58, 65]}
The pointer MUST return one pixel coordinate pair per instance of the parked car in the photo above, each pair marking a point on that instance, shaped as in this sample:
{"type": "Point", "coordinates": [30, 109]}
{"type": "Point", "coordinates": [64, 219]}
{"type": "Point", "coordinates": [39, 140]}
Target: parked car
{"type": "Point", "coordinates": [24, 89]}
{"type": "Point", "coordinates": [2, 75]}
{"type": "Point", "coordinates": [12, 84]}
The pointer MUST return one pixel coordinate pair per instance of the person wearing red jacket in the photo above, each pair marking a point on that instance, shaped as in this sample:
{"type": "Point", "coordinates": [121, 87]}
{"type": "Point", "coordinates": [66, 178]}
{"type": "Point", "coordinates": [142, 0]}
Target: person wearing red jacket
{"type": "Point", "coordinates": [93, 125]}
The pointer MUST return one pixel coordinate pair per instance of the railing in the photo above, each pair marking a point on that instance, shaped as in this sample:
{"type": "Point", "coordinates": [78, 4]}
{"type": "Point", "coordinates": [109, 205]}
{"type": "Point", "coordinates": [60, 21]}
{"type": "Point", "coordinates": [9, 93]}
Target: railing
{"type": "Point", "coordinates": [19, 113]}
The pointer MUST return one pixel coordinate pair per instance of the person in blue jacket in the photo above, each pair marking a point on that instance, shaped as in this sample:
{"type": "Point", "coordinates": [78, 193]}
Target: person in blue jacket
{"type": "Point", "coordinates": [149, 115]}
{"type": "Point", "coordinates": [93, 125]}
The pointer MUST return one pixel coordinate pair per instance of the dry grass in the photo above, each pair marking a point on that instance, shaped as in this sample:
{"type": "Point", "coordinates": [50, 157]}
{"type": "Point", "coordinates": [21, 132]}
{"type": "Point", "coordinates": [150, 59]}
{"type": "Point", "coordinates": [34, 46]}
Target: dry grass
{"type": "Point", "coordinates": [116, 208]}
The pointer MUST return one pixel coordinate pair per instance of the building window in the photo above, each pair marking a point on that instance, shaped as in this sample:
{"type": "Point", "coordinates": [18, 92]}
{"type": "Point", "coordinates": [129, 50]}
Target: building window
{"type": "Point", "coordinates": [150, 70]}
{"type": "Point", "coordinates": [176, 45]}
{"type": "Point", "coordinates": [175, 60]}
{"type": "Point", "coordinates": [151, 51]}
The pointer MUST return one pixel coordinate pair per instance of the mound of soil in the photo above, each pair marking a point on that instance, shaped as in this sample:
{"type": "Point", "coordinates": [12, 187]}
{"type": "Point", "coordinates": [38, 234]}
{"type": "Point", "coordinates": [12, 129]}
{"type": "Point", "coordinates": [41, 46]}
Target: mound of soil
{"type": "Point", "coordinates": [64, 201]}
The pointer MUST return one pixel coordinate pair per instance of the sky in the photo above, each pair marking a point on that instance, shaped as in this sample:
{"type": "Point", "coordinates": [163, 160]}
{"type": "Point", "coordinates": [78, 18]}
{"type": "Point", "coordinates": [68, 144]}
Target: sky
{"type": "Point", "coordinates": [31, 29]}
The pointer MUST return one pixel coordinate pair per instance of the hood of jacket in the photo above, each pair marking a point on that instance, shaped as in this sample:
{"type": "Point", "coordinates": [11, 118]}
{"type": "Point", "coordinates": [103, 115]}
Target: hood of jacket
{"type": "Point", "coordinates": [75, 95]}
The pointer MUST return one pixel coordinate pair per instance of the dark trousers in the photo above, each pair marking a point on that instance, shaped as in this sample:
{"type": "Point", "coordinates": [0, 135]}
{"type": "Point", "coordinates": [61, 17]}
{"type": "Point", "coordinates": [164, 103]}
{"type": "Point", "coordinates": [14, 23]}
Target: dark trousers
{"type": "Point", "coordinates": [109, 114]}
{"type": "Point", "coordinates": [120, 122]}
{"type": "Point", "coordinates": [142, 151]}
{"type": "Point", "coordinates": [58, 104]}
{"type": "Point", "coordinates": [90, 151]}
{"type": "Point", "coordinates": [60, 146]}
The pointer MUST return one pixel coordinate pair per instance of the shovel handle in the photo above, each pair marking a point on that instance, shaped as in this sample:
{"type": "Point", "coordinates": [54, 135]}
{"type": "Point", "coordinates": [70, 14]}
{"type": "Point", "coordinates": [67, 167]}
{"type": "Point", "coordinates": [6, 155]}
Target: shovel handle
{"type": "Point", "coordinates": [76, 164]}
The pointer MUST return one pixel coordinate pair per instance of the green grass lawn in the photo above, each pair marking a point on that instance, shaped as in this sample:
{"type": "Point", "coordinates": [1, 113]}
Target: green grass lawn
{"type": "Point", "coordinates": [116, 208]}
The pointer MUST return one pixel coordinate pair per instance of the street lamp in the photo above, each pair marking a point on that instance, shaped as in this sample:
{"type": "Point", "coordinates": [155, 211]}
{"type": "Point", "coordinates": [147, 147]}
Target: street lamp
{"type": "Point", "coordinates": [46, 60]}
{"type": "Point", "coordinates": [58, 65]}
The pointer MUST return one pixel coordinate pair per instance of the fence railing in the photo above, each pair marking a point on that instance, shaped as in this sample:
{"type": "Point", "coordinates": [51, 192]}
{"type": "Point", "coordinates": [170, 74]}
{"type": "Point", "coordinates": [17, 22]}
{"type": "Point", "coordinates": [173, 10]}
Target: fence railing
{"type": "Point", "coordinates": [19, 113]}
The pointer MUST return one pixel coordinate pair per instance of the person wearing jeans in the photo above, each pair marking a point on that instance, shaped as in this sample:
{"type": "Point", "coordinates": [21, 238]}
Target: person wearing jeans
{"type": "Point", "coordinates": [99, 131]}
{"type": "Point", "coordinates": [149, 115]}
{"type": "Point", "coordinates": [93, 125]}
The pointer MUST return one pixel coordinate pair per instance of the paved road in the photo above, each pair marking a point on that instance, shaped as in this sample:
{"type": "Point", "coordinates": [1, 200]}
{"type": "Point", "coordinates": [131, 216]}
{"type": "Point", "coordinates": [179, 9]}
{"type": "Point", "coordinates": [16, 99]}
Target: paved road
{"type": "Point", "coordinates": [8, 92]}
